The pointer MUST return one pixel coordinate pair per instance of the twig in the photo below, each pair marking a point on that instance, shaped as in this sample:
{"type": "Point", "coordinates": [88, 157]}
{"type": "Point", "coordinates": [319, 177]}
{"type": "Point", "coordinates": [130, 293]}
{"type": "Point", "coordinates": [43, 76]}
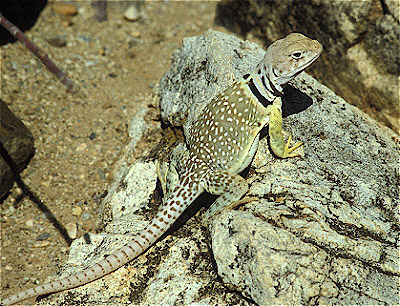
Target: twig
{"type": "Point", "coordinates": [44, 58]}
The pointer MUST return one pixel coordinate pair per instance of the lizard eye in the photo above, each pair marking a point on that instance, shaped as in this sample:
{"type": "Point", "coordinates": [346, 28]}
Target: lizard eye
{"type": "Point", "coordinates": [297, 55]}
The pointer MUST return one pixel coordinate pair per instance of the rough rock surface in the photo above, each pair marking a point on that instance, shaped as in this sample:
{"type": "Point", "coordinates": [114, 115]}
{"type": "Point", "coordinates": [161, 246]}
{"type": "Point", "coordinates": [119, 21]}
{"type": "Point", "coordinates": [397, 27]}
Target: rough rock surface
{"type": "Point", "coordinates": [323, 231]}
{"type": "Point", "coordinates": [361, 44]}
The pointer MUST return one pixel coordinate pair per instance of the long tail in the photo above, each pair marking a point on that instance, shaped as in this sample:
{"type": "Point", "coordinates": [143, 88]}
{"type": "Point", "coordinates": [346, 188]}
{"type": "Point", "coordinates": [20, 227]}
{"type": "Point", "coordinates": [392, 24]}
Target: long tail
{"type": "Point", "coordinates": [182, 196]}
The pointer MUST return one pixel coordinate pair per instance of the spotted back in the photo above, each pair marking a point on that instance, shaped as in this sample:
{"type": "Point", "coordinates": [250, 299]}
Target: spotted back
{"type": "Point", "coordinates": [223, 133]}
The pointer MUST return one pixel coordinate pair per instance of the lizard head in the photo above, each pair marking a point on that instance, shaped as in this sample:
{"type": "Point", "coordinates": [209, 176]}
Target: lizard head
{"type": "Point", "coordinates": [287, 57]}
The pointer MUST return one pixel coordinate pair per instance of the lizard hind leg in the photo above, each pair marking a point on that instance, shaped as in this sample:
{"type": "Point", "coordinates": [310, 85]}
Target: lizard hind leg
{"type": "Point", "coordinates": [230, 188]}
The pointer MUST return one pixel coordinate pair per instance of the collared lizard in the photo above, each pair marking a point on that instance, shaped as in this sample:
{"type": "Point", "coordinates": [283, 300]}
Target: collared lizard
{"type": "Point", "coordinates": [220, 143]}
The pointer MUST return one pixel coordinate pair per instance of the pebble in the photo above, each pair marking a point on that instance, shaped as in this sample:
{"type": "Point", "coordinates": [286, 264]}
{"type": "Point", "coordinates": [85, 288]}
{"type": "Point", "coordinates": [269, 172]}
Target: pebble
{"type": "Point", "coordinates": [65, 9]}
{"type": "Point", "coordinates": [132, 13]}
{"type": "Point", "coordinates": [93, 136]}
{"type": "Point", "coordinates": [90, 63]}
{"type": "Point", "coordinates": [103, 51]}
{"type": "Point", "coordinates": [58, 41]}
{"type": "Point", "coordinates": [42, 237]}
{"type": "Point", "coordinates": [84, 38]}
{"type": "Point", "coordinates": [30, 223]}
{"type": "Point", "coordinates": [86, 216]}
{"type": "Point", "coordinates": [136, 34]}
{"type": "Point", "coordinates": [14, 66]}
{"type": "Point", "coordinates": [77, 211]}
{"type": "Point", "coordinates": [82, 146]}
{"type": "Point", "coordinates": [72, 229]}
{"type": "Point", "coordinates": [42, 244]}
{"type": "Point", "coordinates": [8, 268]}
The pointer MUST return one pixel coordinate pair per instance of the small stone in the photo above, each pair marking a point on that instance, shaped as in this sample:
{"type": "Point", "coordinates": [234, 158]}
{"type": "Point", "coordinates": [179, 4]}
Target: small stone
{"type": "Point", "coordinates": [65, 9]}
{"type": "Point", "coordinates": [86, 216]}
{"type": "Point", "coordinates": [72, 229]}
{"type": "Point", "coordinates": [42, 244]}
{"type": "Point", "coordinates": [81, 147]}
{"type": "Point", "coordinates": [67, 23]}
{"type": "Point", "coordinates": [132, 13]}
{"type": "Point", "coordinates": [136, 34]}
{"type": "Point", "coordinates": [29, 223]}
{"type": "Point", "coordinates": [103, 51]}
{"type": "Point", "coordinates": [90, 63]}
{"type": "Point", "coordinates": [58, 41]}
{"type": "Point", "coordinates": [8, 268]}
{"type": "Point", "coordinates": [84, 38]}
{"type": "Point", "coordinates": [42, 237]}
{"type": "Point", "coordinates": [14, 66]}
{"type": "Point", "coordinates": [77, 211]}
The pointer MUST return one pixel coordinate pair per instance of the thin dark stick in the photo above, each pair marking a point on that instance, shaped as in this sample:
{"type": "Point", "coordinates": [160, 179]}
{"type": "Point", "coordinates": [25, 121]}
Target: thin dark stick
{"type": "Point", "coordinates": [50, 65]}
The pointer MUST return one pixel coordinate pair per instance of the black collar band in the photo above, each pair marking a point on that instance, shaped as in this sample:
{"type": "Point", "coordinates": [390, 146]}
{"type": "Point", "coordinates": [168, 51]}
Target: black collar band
{"type": "Point", "coordinates": [272, 89]}
{"type": "Point", "coordinates": [262, 99]}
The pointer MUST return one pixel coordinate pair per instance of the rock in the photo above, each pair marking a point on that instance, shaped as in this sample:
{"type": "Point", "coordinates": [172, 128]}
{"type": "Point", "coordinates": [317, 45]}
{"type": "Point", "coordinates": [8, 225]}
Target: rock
{"type": "Point", "coordinates": [58, 41]}
{"type": "Point", "coordinates": [85, 216]}
{"type": "Point", "coordinates": [393, 8]}
{"type": "Point", "coordinates": [30, 223]}
{"type": "Point", "coordinates": [17, 141]}
{"type": "Point", "coordinates": [42, 237]}
{"type": "Point", "coordinates": [65, 9]}
{"type": "Point", "coordinates": [323, 232]}
{"type": "Point", "coordinates": [132, 13]}
{"type": "Point", "coordinates": [41, 244]}
{"type": "Point", "coordinates": [136, 34]}
{"type": "Point", "coordinates": [77, 211]}
{"type": "Point", "coordinates": [361, 44]}
{"type": "Point", "coordinates": [8, 268]}
{"type": "Point", "coordinates": [340, 202]}
{"type": "Point", "coordinates": [72, 229]}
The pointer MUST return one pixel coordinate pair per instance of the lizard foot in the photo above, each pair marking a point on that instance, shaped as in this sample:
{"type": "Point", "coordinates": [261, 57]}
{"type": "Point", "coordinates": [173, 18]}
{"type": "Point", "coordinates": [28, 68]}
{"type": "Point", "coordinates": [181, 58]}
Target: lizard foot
{"type": "Point", "coordinates": [245, 200]}
{"type": "Point", "coordinates": [285, 152]}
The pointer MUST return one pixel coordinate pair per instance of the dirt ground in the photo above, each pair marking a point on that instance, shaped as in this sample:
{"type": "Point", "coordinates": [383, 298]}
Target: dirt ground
{"type": "Point", "coordinates": [78, 137]}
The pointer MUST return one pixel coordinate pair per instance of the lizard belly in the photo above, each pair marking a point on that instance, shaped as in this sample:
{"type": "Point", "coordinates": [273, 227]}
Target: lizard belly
{"type": "Point", "coordinates": [245, 159]}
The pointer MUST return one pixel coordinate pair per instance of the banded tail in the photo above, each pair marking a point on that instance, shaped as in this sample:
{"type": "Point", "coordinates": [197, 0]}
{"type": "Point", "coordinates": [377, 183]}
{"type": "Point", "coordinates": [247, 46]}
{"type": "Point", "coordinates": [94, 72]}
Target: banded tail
{"type": "Point", "coordinates": [182, 196]}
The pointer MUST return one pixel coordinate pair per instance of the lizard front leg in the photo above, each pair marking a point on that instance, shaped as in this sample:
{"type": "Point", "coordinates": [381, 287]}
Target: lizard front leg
{"type": "Point", "coordinates": [279, 146]}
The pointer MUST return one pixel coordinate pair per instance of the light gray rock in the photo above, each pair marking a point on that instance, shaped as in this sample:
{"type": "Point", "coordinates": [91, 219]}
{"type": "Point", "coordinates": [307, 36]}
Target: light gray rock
{"type": "Point", "coordinates": [323, 230]}
{"type": "Point", "coordinates": [330, 214]}
{"type": "Point", "coordinates": [393, 8]}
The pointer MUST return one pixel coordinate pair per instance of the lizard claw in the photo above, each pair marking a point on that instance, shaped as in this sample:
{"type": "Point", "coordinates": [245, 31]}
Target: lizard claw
{"type": "Point", "coordinates": [287, 151]}
{"type": "Point", "coordinates": [282, 149]}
